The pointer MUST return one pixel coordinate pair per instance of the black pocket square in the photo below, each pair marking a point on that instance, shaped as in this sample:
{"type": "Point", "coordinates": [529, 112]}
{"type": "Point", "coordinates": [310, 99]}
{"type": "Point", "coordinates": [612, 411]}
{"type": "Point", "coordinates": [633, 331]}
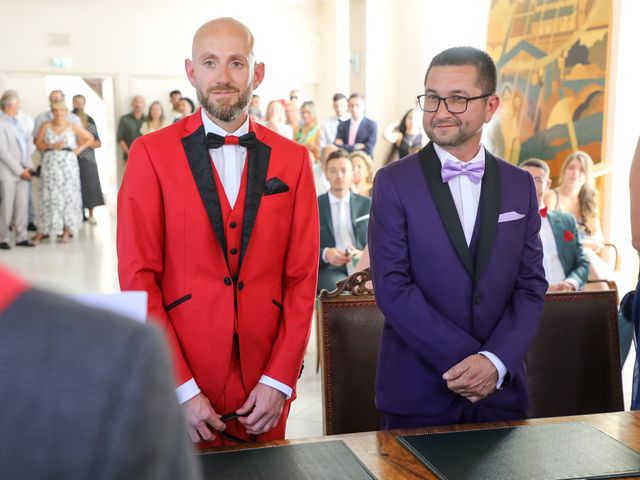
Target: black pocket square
{"type": "Point", "coordinates": [275, 185]}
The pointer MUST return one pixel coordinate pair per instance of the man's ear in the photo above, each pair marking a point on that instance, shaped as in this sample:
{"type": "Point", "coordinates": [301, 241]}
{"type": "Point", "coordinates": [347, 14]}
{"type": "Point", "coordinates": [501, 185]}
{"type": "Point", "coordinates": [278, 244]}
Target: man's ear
{"type": "Point", "coordinates": [493, 102]}
{"type": "Point", "coordinates": [188, 67]}
{"type": "Point", "coordinates": [258, 74]}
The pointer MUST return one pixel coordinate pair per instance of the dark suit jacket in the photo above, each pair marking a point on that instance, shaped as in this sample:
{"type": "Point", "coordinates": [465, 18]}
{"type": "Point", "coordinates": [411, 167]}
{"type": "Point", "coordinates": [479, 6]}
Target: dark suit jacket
{"type": "Point", "coordinates": [443, 300]}
{"type": "Point", "coordinates": [88, 395]}
{"type": "Point", "coordinates": [572, 257]}
{"type": "Point", "coordinates": [366, 134]}
{"type": "Point", "coordinates": [359, 206]}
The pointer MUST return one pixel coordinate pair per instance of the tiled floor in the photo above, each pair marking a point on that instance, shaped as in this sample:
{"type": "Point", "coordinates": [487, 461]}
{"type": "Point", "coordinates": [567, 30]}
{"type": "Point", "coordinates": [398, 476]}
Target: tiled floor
{"type": "Point", "coordinates": [88, 264]}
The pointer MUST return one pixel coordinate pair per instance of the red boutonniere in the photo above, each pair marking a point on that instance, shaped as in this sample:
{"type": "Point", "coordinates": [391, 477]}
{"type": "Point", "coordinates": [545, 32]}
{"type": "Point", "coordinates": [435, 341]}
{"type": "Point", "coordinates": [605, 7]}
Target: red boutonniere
{"type": "Point", "coordinates": [568, 236]}
{"type": "Point", "coordinates": [543, 212]}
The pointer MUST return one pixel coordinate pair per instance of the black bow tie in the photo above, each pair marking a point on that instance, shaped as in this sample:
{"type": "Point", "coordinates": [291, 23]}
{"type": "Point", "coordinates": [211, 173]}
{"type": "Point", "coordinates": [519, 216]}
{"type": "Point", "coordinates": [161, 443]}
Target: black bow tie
{"type": "Point", "coordinates": [248, 140]}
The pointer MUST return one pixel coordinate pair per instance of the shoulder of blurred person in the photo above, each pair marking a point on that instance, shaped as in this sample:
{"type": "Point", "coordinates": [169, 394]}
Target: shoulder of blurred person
{"type": "Point", "coordinates": [89, 393]}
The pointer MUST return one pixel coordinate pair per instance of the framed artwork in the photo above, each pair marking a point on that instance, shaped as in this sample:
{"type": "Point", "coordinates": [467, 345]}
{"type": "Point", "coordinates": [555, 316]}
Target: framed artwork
{"type": "Point", "coordinates": [552, 58]}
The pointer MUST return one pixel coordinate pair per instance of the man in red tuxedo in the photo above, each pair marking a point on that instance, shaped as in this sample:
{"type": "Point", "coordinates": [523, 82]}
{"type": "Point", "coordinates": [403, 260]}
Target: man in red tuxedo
{"type": "Point", "coordinates": [217, 221]}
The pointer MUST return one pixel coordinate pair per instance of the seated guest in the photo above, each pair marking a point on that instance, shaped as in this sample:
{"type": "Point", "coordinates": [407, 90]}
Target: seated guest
{"type": "Point", "coordinates": [359, 132]}
{"type": "Point", "coordinates": [84, 393]}
{"type": "Point", "coordinates": [566, 266]}
{"type": "Point", "coordinates": [362, 173]}
{"type": "Point", "coordinates": [576, 194]}
{"type": "Point", "coordinates": [344, 222]}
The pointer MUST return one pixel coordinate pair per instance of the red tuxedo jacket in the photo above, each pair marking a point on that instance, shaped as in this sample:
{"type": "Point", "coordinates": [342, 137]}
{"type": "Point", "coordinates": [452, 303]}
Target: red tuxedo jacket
{"type": "Point", "coordinates": [171, 243]}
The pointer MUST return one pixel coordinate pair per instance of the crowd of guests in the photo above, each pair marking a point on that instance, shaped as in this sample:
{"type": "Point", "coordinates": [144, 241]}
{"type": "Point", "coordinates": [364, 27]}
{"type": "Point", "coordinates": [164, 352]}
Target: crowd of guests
{"type": "Point", "coordinates": [69, 179]}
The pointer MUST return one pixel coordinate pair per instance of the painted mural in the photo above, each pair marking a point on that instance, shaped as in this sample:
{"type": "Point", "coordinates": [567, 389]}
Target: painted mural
{"type": "Point", "coordinates": [551, 57]}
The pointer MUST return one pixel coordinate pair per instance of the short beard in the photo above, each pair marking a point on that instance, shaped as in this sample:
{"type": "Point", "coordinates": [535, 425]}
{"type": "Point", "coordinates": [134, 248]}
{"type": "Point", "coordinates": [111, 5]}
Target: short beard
{"type": "Point", "coordinates": [227, 112]}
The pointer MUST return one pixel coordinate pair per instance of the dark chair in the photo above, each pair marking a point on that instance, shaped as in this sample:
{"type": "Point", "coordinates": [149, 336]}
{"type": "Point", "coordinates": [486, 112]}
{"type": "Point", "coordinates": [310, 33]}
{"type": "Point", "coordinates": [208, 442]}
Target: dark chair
{"type": "Point", "coordinates": [350, 326]}
{"type": "Point", "coordinates": [573, 363]}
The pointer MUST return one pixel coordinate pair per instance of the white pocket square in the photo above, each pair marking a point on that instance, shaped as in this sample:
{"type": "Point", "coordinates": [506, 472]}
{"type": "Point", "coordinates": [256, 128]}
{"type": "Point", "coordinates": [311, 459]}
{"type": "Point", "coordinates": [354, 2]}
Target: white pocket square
{"type": "Point", "coordinates": [509, 216]}
{"type": "Point", "coordinates": [362, 218]}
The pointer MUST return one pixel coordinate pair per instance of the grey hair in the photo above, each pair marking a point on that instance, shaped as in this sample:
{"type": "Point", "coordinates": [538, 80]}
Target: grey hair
{"type": "Point", "coordinates": [9, 97]}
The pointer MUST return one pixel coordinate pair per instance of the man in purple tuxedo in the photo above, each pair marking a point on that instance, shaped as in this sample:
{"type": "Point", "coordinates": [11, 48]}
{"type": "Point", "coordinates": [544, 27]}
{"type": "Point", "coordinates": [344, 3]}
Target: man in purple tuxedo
{"type": "Point", "coordinates": [456, 261]}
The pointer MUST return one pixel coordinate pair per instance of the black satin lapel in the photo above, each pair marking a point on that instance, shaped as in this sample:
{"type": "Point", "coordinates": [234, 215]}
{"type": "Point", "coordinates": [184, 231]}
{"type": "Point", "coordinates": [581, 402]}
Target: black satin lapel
{"type": "Point", "coordinates": [488, 210]}
{"type": "Point", "coordinates": [444, 203]}
{"type": "Point", "coordinates": [202, 171]}
{"type": "Point", "coordinates": [258, 164]}
{"type": "Point", "coordinates": [325, 215]}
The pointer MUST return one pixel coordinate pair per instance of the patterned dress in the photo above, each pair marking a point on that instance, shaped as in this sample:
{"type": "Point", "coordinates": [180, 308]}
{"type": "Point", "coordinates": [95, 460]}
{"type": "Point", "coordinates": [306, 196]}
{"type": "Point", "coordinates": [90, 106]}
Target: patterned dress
{"type": "Point", "coordinates": [60, 196]}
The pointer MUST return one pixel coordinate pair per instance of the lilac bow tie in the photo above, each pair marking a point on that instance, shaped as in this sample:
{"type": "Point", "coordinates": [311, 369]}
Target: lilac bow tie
{"type": "Point", "coordinates": [472, 170]}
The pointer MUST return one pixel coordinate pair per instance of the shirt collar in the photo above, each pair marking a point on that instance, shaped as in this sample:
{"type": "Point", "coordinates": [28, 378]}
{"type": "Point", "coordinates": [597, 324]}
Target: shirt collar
{"type": "Point", "coordinates": [443, 155]}
{"type": "Point", "coordinates": [333, 200]}
{"type": "Point", "coordinates": [212, 127]}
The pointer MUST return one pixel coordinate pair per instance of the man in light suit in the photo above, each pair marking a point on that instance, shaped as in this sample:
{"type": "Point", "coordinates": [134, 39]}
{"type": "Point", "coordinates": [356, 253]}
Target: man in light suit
{"type": "Point", "coordinates": [359, 132]}
{"type": "Point", "coordinates": [84, 393]}
{"type": "Point", "coordinates": [15, 178]}
{"type": "Point", "coordinates": [344, 221]}
{"type": "Point", "coordinates": [566, 266]}
{"type": "Point", "coordinates": [456, 262]}
{"type": "Point", "coordinates": [217, 222]}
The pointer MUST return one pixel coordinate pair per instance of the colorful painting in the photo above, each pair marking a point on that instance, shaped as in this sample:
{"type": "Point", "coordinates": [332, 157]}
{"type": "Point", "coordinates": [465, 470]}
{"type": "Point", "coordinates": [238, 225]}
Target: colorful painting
{"type": "Point", "coordinates": [551, 57]}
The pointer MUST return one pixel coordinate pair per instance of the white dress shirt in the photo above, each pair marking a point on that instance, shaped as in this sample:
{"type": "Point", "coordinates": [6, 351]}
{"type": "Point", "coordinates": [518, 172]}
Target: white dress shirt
{"type": "Point", "coordinates": [342, 226]}
{"type": "Point", "coordinates": [229, 161]}
{"type": "Point", "coordinates": [553, 270]}
{"type": "Point", "coordinates": [466, 196]}
{"type": "Point", "coordinates": [329, 130]}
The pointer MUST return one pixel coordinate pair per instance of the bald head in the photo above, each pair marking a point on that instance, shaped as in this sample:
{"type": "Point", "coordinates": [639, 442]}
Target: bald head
{"type": "Point", "coordinates": [222, 28]}
{"type": "Point", "coordinates": [223, 71]}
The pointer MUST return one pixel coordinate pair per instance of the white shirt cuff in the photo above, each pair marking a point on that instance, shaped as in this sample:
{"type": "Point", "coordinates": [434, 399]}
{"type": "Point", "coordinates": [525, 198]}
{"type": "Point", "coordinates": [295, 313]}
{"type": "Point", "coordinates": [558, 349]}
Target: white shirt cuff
{"type": "Point", "coordinates": [502, 370]}
{"type": "Point", "coordinates": [573, 282]}
{"type": "Point", "coordinates": [288, 391]}
{"type": "Point", "coordinates": [324, 255]}
{"type": "Point", "coordinates": [187, 391]}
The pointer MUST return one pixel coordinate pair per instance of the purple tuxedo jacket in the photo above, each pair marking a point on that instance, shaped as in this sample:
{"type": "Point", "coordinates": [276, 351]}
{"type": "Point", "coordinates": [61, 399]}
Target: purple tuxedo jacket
{"type": "Point", "coordinates": [443, 300]}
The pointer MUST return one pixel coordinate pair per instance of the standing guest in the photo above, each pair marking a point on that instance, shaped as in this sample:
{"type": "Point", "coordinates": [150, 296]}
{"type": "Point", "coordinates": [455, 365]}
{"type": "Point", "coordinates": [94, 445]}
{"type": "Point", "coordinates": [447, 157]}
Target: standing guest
{"type": "Point", "coordinates": [15, 163]}
{"type": "Point", "coordinates": [362, 182]}
{"type": "Point", "coordinates": [79, 104]}
{"type": "Point", "coordinates": [566, 266]}
{"type": "Point", "coordinates": [307, 134]}
{"type": "Point", "coordinates": [359, 132]}
{"type": "Point", "coordinates": [213, 222]}
{"type": "Point", "coordinates": [55, 96]}
{"type": "Point", "coordinates": [295, 96]}
{"type": "Point", "coordinates": [292, 114]}
{"type": "Point", "coordinates": [576, 194]}
{"type": "Point", "coordinates": [60, 194]}
{"type": "Point", "coordinates": [456, 262]}
{"type": "Point", "coordinates": [154, 120]}
{"type": "Point", "coordinates": [175, 114]}
{"type": "Point", "coordinates": [89, 176]}
{"type": "Point", "coordinates": [187, 107]}
{"type": "Point", "coordinates": [254, 109]}
{"type": "Point", "coordinates": [94, 387]}
{"type": "Point", "coordinates": [330, 126]}
{"type": "Point", "coordinates": [344, 221]}
{"type": "Point", "coordinates": [275, 119]}
{"type": "Point", "coordinates": [129, 125]}
{"type": "Point", "coordinates": [404, 136]}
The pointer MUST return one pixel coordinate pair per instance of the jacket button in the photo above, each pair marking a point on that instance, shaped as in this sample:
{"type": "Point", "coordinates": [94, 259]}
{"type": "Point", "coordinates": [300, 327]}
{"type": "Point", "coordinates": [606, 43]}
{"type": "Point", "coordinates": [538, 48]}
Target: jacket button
{"type": "Point", "coordinates": [240, 285]}
{"type": "Point", "coordinates": [227, 281]}
{"type": "Point", "coordinates": [233, 224]}
{"type": "Point", "coordinates": [233, 251]}
{"type": "Point", "coordinates": [477, 299]}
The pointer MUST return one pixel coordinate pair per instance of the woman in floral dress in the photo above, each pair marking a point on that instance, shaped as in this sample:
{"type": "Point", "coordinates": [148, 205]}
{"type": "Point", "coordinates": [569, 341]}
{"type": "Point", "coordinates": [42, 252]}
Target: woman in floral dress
{"type": "Point", "coordinates": [60, 194]}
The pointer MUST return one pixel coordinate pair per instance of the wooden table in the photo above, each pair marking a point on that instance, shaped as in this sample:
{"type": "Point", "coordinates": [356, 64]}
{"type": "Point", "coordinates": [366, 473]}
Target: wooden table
{"type": "Point", "coordinates": [387, 459]}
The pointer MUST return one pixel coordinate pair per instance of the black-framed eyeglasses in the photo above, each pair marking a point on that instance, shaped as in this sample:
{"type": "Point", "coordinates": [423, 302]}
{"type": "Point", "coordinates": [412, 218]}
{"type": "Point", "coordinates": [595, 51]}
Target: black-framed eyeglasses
{"type": "Point", "coordinates": [454, 104]}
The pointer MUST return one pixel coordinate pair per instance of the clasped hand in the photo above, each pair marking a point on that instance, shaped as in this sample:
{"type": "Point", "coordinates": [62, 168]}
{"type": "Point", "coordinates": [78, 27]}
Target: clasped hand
{"type": "Point", "coordinates": [264, 402]}
{"type": "Point", "coordinates": [474, 378]}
